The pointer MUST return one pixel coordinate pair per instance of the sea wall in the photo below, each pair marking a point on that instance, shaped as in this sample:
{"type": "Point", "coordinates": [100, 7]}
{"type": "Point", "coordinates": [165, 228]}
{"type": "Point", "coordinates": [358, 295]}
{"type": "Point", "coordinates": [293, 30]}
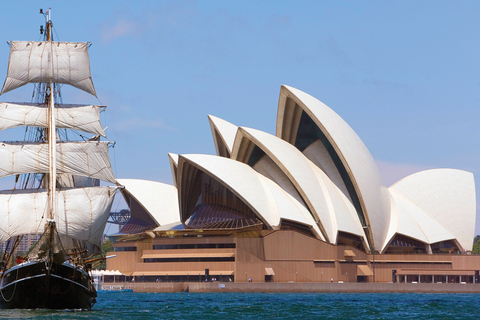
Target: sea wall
{"type": "Point", "coordinates": [303, 287]}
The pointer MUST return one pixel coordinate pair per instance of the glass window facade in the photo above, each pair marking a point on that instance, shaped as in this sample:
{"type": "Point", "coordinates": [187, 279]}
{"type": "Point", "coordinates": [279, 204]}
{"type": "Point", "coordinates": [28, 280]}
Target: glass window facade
{"type": "Point", "coordinates": [403, 244]}
{"type": "Point", "coordinates": [140, 219]}
{"type": "Point", "coordinates": [210, 205]}
{"type": "Point", "coordinates": [448, 246]}
{"type": "Point", "coordinates": [344, 238]}
{"type": "Point", "coordinates": [292, 225]}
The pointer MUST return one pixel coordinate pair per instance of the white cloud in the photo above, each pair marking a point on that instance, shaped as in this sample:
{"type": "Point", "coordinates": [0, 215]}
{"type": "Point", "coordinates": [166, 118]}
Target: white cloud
{"type": "Point", "coordinates": [123, 27]}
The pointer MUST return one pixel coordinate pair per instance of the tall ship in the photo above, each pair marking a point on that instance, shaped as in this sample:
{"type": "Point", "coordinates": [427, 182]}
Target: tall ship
{"type": "Point", "coordinates": [57, 198]}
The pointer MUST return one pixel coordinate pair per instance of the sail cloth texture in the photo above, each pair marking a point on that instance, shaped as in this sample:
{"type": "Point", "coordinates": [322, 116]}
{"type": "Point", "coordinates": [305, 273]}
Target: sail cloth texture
{"type": "Point", "coordinates": [78, 117]}
{"type": "Point", "coordinates": [40, 61]}
{"type": "Point", "coordinates": [87, 158]}
{"type": "Point", "coordinates": [81, 213]}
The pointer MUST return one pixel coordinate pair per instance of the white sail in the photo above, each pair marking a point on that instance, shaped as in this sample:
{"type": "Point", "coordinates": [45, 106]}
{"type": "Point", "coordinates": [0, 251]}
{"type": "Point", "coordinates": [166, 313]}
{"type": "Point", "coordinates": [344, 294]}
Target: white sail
{"type": "Point", "coordinates": [81, 213]}
{"type": "Point", "coordinates": [83, 118]}
{"type": "Point", "coordinates": [89, 158]}
{"type": "Point", "coordinates": [33, 61]}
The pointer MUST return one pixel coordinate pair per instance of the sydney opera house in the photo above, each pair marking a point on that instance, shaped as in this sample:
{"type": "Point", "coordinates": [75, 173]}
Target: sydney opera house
{"type": "Point", "coordinates": [306, 204]}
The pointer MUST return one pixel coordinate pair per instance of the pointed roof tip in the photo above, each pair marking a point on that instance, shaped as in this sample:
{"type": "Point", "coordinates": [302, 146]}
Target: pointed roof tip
{"type": "Point", "coordinates": [173, 157]}
{"type": "Point", "coordinates": [213, 118]}
{"type": "Point", "coordinates": [217, 120]}
{"type": "Point", "coordinates": [223, 132]}
{"type": "Point", "coordinates": [286, 86]}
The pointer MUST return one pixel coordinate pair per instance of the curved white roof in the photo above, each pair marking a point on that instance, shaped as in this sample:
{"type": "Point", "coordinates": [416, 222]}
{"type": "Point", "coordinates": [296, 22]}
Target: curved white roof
{"type": "Point", "coordinates": [223, 134]}
{"type": "Point", "coordinates": [410, 220]}
{"type": "Point", "coordinates": [447, 196]}
{"type": "Point", "coordinates": [328, 204]}
{"type": "Point", "coordinates": [402, 222]}
{"type": "Point", "coordinates": [158, 199]}
{"type": "Point", "coordinates": [263, 196]}
{"type": "Point", "coordinates": [354, 155]}
{"type": "Point", "coordinates": [325, 183]}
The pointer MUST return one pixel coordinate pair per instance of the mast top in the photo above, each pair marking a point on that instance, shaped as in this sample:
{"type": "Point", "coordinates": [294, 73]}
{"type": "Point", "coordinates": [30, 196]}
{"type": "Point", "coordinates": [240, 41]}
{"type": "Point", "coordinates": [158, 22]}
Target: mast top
{"type": "Point", "coordinates": [47, 14]}
{"type": "Point", "coordinates": [48, 22]}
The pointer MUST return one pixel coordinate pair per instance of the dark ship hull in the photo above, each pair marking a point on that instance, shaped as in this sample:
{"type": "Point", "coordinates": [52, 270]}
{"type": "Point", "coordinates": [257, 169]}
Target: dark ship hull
{"type": "Point", "coordinates": [28, 286]}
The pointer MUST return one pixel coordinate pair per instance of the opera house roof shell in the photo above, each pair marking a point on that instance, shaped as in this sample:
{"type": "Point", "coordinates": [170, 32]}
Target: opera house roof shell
{"type": "Point", "coordinates": [315, 175]}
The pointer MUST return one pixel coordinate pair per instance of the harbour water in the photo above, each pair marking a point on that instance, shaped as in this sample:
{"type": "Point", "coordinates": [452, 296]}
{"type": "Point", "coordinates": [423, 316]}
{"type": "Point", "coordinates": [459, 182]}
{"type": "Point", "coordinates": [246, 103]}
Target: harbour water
{"type": "Point", "coordinates": [129, 305]}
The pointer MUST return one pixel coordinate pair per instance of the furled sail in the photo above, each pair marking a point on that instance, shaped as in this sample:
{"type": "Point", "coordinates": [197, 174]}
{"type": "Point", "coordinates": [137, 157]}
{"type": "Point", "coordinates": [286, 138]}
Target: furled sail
{"type": "Point", "coordinates": [41, 61]}
{"type": "Point", "coordinates": [88, 158]}
{"type": "Point", "coordinates": [82, 213]}
{"type": "Point", "coordinates": [78, 117]}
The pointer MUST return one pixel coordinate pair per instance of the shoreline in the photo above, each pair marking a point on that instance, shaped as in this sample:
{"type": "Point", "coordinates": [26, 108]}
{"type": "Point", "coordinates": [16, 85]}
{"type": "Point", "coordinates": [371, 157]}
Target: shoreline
{"type": "Point", "coordinates": [295, 287]}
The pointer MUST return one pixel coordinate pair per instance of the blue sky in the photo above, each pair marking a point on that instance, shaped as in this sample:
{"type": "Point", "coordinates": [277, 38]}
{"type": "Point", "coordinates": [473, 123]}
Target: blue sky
{"type": "Point", "coordinates": [403, 74]}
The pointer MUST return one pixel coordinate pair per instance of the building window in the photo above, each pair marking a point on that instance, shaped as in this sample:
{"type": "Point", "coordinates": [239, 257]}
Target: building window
{"type": "Point", "coordinates": [120, 249]}
{"type": "Point", "coordinates": [197, 259]}
{"type": "Point", "coordinates": [194, 246]}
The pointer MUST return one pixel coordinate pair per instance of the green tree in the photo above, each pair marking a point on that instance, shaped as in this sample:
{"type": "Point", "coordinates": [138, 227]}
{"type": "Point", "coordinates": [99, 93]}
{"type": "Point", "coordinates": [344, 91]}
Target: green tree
{"type": "Point", "coordinates": [105, 247]}
{"type": "Point", "coordinates": [476, 245]}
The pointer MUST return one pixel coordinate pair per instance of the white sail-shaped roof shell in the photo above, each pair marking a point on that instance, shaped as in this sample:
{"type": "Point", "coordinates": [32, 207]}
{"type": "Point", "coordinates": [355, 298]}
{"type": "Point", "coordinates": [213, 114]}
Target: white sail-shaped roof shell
{"type": "Point", "coordinates": [402, 221]}
{"type": "Point", "coordinates": [270, 203]}
{"type": "Point", "coordinates": [81, 213]}
{"type": "Point", "coordinates": [40, 61]}
{"type": "Point", "coordinates": [411, 221]}
{"type": "Point", "coordinates": [89, 158]}
{"type": "Point", "coordinates": [331, 208]}
{"type": "Point", "coordinates": [160, 200]}
{"type": "Point", "coordinates": [84, 118]}
{"type": "Point", "coordinates": [223, 135]}
{"type": "Point", "coordinates": [359, 164]}
{"type": "Point", "coordinates": [442, 202]}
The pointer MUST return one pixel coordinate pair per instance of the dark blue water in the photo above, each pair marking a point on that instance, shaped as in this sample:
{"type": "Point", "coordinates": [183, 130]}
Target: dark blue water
{"type": "Point", "coordinates": [127, 305]}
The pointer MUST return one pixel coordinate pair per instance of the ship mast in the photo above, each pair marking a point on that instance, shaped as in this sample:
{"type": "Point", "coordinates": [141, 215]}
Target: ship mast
{"type": "Point", "coordinates": [52, 135]}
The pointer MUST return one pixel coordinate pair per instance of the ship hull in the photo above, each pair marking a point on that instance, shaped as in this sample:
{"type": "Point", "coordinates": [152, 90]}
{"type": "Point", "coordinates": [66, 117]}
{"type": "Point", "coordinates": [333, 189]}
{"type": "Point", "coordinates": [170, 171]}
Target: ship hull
{"type": "Point", "coordinates": [28, 286]}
